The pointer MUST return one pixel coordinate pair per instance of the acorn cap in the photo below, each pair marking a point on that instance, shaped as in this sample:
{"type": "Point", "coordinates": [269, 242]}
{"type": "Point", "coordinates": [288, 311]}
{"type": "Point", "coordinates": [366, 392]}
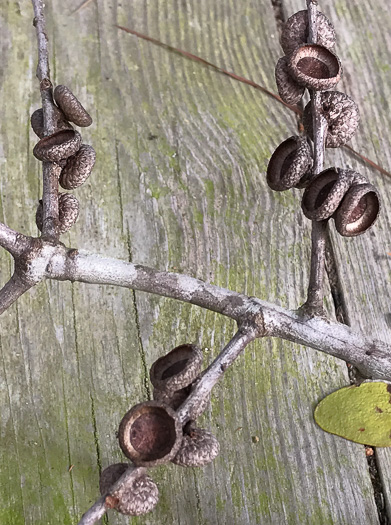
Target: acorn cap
{"type": "Point", "coordinates": [199, 447]}
{"type": "Point", "coordinates": [140, 497]}
{"type": "Point", "coordinates": [177, 369]}
{"type": "Point", "coordinates": [60, 145]}
{"type": "Point", "coordinates": [150, 434]}
{"type": "Point", "coordinates": [295, 31]}
{"type": "Point", "coordinates": [78, 168]}
{"type": "Point", "coordinates": [358, 210]}
{"type": "Point", "coordinates": [288, 89]}
{"type": "Point", "coordinates": [344, 195]}
{"type": "Point", "coordinates": [71, 107]}
{"type": "Point", "coordinates": [38, 125]}
{"type": "Point", "coordinates": [68, 212]}
{"type": "Point", "coordinates": [172, 399]}
{"type": "Point", "coordinates": [289, 163]}
{"type": "Point", "coordinates": [342, 116]}
{"type": "Point", "coordinates": [314, 67]}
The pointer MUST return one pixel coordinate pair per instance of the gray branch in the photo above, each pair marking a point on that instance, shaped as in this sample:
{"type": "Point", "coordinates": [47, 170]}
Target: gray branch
{"type": "Point", "coordinates": [370, 356]}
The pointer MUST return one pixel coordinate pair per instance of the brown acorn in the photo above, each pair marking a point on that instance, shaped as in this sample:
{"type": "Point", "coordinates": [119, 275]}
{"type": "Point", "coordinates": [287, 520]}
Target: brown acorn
{"type": "Point", "coordinates": [150, 434]}
{"type": "Point", "coordinates": [37, 121]}
{"type": "Point", "coordinates": [288, 89]}
{"type": "Point", "coordinates": [295, 31]}
{"type": "Point", "coordinates": [134, 500]}
{"type": "Point", "coordinates": [177, 369]}
{"type": "Point", "coordinates": [78, 167]}
{"type": "Point", "coordinates": [344, 195]}
{"type": "Point", "coordinates": [342, 116]}
{"type": "Point", "coordinates": [314, 67]}
{"type": "Point", "coordinates": [60, 145]}
{"type": "Point", "coordinates": [71, 107]}
{"type": "Point", "coordinates": [290, 162]}
{"type": "Point", "coordinates": [199, 447]}
{"type": "Point", "coordinates": [68, 211]}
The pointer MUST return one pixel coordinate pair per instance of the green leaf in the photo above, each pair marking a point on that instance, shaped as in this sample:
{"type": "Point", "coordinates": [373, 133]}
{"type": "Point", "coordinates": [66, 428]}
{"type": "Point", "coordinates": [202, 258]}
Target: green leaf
{"type": "Point", "coordinates": [359, 413]}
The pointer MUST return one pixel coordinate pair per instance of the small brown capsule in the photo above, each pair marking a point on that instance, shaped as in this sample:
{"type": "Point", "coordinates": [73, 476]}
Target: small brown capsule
{"type": "Point", "coordinates": [289, 164]}
{"type": "Point", "coordinates": [150, 434]}
{"type": "Point", "coordinates": [198, 448]}
{"type": "Point", "coordinates": [288, 89]}
{"type": "Point", "coordinates": [134, 500]}
{"type": "Point", "coordinates": [295, 31]}
{"type": "Point", "coordinates": [314, 67]}
{"type": "Point", "coordinates": [71, 107]}
{"type": "Point", "coordinates": [78, 168]}
{"type": "Point", "coordinates": [60, 145]}
{"type": "Point", "coordinates": [37, 121]}
{"type": "Point", "coordinates": [344, 195]}
{"type": "Point", "coordinates": [177, 369]}
{"type": "Point", "coordinates": [68, 211]}
{"type": "Point", "coordinates": [342, 116]}
{"type": "Point", "coordinates": [358, 211]}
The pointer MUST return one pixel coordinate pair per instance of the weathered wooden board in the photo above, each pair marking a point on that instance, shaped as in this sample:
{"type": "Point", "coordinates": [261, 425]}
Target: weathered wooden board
{"type": "Point", "coordinates": [179, 184]}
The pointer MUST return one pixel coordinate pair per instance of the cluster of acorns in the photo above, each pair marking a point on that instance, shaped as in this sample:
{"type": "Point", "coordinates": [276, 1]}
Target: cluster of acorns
{"type": "Point", "coordinates": [72, 160]}
{"type": "Point", "coordinates": [151, 433]}
{"type": "Point", "coordinates": [341, 194]}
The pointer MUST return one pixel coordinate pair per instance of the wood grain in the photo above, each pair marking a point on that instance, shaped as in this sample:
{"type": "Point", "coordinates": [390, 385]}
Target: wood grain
{"type": "Point", "coordinates": [179, 184]}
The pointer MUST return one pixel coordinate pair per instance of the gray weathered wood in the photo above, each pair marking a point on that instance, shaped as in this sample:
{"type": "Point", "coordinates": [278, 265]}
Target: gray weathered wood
{"type": "Point", "coordinates": [179, 184]}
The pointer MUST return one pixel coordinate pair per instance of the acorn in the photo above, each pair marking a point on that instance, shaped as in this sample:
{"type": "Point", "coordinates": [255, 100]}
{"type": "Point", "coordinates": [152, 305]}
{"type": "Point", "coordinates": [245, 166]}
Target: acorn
{"type": "Point", "coordinates": [139, 498]}
{"type": "Point", "coordinates": [60, 145]}
{"type": "Point", "coordinates": [78, 168]}
{"type": "Point", "coordinates": [342, 116]}
{"type": "Point", "coordinates": [199, 447]}
{"type": "Point", "coordinates": [71, 107]}
{"type": "Point", "coordinates": [295, 31]}
{"type": "Point", "coordinates": [314, 67]}
{"type": "Point", "coordinates": [38, 125]}
{"type": "Point", "coordinates": [68, 212]}
{"type": "Point", "coordinates": [150, 434]}
{"type": "Point", "coordinates": [290, 162]}
{"type": "Point", "coordinates": [344, 195]}
{"type": "Point", "coordinates": [288, 89]}
{"type": "Point", "coordinates": [177, 369]}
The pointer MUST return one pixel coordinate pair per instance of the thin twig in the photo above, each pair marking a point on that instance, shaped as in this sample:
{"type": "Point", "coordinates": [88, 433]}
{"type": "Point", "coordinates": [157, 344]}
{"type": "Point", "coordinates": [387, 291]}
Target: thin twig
{"type": "Point", "coordinates": [314, 302]}
{"type": "Point", "coordinates": [50, 175]}
{"type": "Point", "coordinates": [15, 243]}
{"type": "Point", "coordinates": [244, 80]}
{"type": "Point", "coordinates": [100, 507]}
{"type": "Point", "coordinates": [189, 409]}
{"type": "Point", "coordinates": [11, 291]}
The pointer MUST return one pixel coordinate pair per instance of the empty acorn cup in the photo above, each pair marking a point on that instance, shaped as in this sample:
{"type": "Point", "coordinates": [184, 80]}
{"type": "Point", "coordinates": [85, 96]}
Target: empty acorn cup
{"type": "Point", "coordinates": [60, 145]}
{"type": "Point", "coordinates": [138, 497]}
{"type": "Point", "coordinates": [78, 168]}
{"type": "Point", "coordinates": [150, 434]}
{"type": "Point", "coordinates": [314, 67]}
{"type": "Point", "coordinates": [199, 447]}
{"type": "Point", "coordinates": [344, 195]}
{"type": "Point", "coordinates": [37, 122]}
{"type": "Point", "coordinates": [290, 162]}
{"type": "Point", "coordinates": [342, 116]}
{"type": "Point", "coordinates": [177, 369]}
{"type": "Point", "coordinates": [71, 107]}
{"type": "Point", "coordinates": [68, 212]}
{"type": "Point", "coordinates": [295, 31]}
{"type": "Point", "coordinates": [288, 89]}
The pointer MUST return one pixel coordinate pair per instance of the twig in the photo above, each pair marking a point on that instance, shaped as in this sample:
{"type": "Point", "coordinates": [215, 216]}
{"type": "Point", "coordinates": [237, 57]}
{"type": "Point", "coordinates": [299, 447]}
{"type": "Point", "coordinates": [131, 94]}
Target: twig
{"type": "Point", "coordinates": [314, 302]}
{"type": "Point", "coordinates": [244, 80]}
{"type": "Point", "coordinates": [15, 243]}
{"type": "Point", "coordinates": [214, 372]}
{"type": "Point", "coordinates": [50, 175]}
{"type": "Point", "coordinates": [11, 291]}
{"type": "Point", "coordinates": [100, 507]}
{"type": "Point", "coordinates": [370, 356]}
